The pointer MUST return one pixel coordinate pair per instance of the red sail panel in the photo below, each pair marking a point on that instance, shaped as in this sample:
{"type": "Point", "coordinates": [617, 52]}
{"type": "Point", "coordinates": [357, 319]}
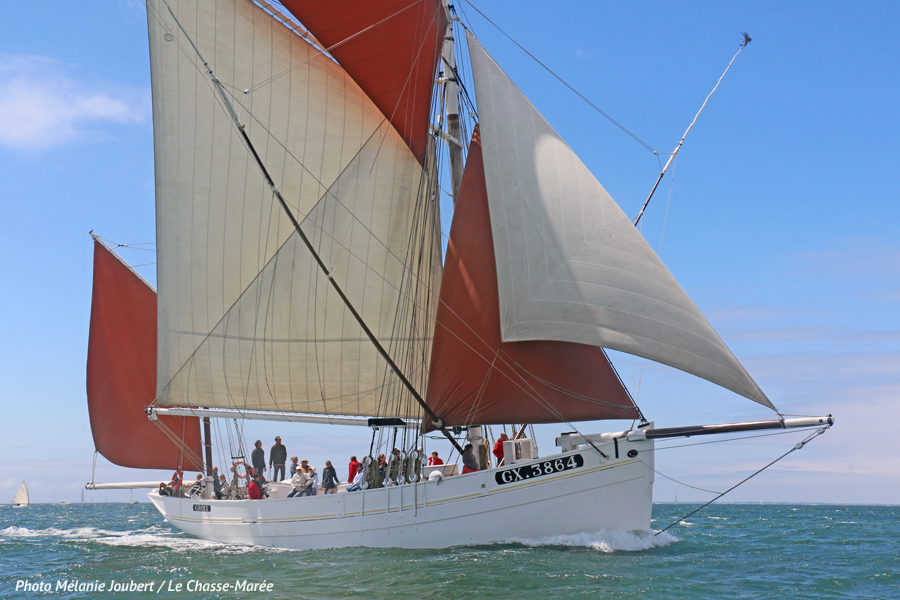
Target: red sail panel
{"type": "Point", "coordinates": [394, 62]}
{"type": "Point", "coordinates": [121, 373]}
{"type": "Point", "coordinates": [475, 378]}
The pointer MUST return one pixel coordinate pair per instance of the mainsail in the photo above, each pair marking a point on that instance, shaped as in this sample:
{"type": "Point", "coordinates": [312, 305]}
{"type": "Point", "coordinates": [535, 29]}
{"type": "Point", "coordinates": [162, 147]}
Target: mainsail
{"type": "Point", "coordinates": [21, 497]}
{"type": "Point", "coordinates": [121, 374]}
{"type": "Point", "coordinates": [246, 320]}
{"type": "Point", "coordinates": [570, 265]}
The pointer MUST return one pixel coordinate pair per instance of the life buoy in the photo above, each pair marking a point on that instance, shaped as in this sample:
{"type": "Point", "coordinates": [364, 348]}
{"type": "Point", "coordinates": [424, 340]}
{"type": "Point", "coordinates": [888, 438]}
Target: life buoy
{"type": "Point", "coordinates": [176, 480]}
{"type": "Point", "coordinates": [240, 463]}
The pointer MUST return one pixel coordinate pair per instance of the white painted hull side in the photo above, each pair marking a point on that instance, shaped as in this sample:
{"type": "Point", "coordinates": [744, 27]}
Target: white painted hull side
{"type": "Point", "coordinates": [601, 494]}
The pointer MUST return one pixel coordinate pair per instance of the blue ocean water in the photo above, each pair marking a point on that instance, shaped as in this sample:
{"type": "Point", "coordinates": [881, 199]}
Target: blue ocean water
{"type": "Point", "coordinates": [726, 551]}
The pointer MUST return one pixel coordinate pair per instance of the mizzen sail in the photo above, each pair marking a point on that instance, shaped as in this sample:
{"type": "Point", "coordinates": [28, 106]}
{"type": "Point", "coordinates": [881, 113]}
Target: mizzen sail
{"type": "Point", "coordinates": [570, 265]}
{"type": "Point", "coordinates": [121, 374]}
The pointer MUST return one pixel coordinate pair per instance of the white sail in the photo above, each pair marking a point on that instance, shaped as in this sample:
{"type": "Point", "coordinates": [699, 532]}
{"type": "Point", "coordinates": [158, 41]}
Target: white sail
{"type": "Point", "coordinates": [570, 264]}
{"type": "Point", "coordinates": [21, 497]}
{"type": "Point", "coordinates": [246, 318]}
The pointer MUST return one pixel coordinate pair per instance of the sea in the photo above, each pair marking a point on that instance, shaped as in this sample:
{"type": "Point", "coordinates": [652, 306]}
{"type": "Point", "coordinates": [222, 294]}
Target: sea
{"type": "Point", "coordinates": [726, 551]}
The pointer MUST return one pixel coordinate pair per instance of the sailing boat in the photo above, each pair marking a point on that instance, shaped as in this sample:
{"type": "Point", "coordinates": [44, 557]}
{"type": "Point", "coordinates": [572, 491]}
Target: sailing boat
{"type": "Point", "coordinates": [301, 279]}
{"type": "Point", "coordinates": [21, 497]}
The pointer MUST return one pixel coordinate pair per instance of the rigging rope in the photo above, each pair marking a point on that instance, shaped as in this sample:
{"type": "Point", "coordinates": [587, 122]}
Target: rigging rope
{"type": "Point", "coordinates": [797, 446]}
{"type": "Point", "coordinates": [747, 40]}
{"type": "Point", "coordinates": [565, 83]}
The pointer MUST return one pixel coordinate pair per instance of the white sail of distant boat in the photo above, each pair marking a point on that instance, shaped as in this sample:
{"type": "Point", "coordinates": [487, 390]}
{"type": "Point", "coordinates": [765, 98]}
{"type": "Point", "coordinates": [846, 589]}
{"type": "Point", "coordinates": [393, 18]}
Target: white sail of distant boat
{"type": "Point", "coordinates": [21, 497]}
{"type": "Point", "coordinates": [298, 156]}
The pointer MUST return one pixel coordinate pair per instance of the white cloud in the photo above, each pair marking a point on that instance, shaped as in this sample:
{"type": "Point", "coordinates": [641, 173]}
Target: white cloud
{"type": "Point", "coordinates": [46, 104]}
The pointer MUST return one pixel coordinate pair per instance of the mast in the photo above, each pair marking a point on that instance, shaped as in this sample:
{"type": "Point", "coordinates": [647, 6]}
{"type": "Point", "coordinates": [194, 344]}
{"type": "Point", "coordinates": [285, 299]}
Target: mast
{"type": "Point", "coordinates": [207, 443]}
{"type": "Point", "coordinates": [451, 98]}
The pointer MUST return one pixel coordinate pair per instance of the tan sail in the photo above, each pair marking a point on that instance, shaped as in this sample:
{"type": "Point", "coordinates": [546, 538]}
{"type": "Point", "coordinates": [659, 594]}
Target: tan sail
{"type": "Point", "coordinates": [246, 320]}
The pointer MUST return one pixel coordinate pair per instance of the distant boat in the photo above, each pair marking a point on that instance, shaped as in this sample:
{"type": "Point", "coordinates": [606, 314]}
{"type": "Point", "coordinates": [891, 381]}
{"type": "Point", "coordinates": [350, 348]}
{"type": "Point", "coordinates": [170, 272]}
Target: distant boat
{"type": "Point", "coordinates": [131, 499]}
{"type": "Point", "coordinates": [62, 503]}
{"type": "Point", "coordinates": [21, 498]}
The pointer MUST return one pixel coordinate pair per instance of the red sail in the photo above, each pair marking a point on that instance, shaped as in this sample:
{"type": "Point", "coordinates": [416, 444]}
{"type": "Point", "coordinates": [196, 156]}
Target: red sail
{"type": "Point", "coordinates": [121, 373]}
{"type": "Point", "coordinates": [474, 377]}
{"type": "Point", "coordinates": [394, 62]}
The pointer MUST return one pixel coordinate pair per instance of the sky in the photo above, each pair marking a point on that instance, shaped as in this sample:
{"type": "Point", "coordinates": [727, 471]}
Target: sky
{"type": "Point", "coordinates": [779, 218]}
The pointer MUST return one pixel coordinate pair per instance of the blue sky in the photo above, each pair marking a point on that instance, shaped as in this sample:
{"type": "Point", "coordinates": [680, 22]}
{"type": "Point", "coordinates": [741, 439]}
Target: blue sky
{"type": "Point", "coordinates": [779, 218]}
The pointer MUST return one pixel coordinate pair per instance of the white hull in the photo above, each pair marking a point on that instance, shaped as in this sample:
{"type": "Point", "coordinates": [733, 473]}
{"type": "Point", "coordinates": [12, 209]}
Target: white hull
{"type": "Point", "coordinates": [601, 494]}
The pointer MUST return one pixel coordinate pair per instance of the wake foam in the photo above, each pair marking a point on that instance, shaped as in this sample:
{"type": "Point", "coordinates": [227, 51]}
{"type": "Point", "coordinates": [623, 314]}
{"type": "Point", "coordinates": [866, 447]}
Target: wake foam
{"type": "Point", "coordinates": [605, 541]}
{"type": "Point", "coordinates": [153, 536]}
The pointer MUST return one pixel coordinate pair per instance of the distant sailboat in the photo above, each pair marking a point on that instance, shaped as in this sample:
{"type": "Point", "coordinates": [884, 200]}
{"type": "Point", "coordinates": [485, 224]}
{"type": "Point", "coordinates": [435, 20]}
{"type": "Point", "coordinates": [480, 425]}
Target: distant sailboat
{"type": "Point", "coordinates": [21, 498]}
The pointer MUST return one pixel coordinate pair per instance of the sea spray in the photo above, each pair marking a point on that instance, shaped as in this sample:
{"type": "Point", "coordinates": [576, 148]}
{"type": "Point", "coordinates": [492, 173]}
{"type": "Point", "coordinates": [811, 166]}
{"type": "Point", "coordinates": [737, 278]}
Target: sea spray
{"type": "Point", "coordinates": [604, 541]}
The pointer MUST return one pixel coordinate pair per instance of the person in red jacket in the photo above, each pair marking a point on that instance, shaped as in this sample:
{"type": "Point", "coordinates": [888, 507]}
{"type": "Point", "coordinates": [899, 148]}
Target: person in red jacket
{"type": "Point", "coordinates": [498, 448]}
{"type": "Point", "coordinates": [253, 489]}
{"type": "Point", "coordinates": [354, 467]}
{"type": "Point", "coordinates": [434, 460]}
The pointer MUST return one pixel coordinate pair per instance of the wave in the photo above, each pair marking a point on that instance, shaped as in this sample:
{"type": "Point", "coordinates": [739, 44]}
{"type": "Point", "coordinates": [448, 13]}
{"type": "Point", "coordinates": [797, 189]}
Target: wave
{"type": "Point", "coordinates": [605, 541]}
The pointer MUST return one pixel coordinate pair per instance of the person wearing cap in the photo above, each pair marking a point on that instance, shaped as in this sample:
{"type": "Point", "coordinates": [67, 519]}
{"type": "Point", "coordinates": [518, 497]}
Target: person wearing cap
{"type": "Point", "coordinates": [258, 457]}
{"type": "Point", "coordinates": [301, 481]}
{"type": "Point", "coordinates": [277, 458]}
{"type": "Point", "coordinates": [311, 471]}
